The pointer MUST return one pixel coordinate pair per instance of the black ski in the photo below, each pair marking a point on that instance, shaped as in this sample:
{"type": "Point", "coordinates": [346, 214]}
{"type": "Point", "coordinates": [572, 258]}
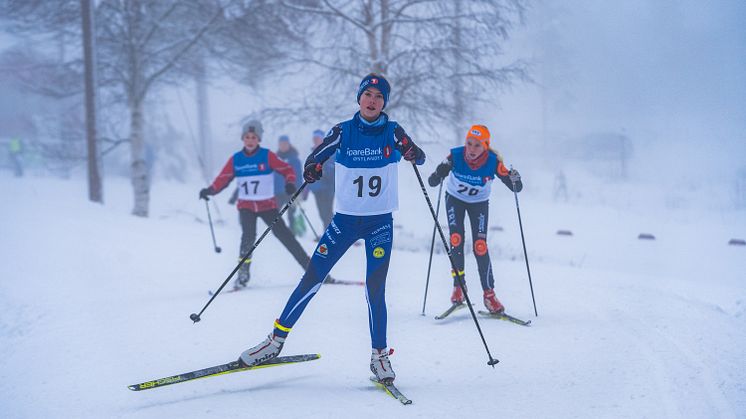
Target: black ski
{"type": "Point", "coordinates": [506, 317]}
{"type": "Point", "coordinates": [229, 368]}
{"type": "Point", "coordinates": [451, 309]}
{"type": "Point", "coordinates": [391, 390]}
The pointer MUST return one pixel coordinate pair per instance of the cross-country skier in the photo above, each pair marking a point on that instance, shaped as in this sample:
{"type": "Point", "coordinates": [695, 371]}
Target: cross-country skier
{"type": "Point", "coordinates": [471, 169]}
{"type": "Point", "coordinates": [253, 166]}
{"type": "Point", "coordinates": [367, 149]}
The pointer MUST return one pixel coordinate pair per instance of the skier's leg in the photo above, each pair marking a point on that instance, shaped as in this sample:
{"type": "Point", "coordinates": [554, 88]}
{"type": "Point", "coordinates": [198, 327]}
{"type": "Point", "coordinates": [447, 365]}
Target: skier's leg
{"type": "Point", "coordinates": [455, 208]}
{"type": "Point", "coordinates": [378, 243]}
{"type": "Point", "coordinates": [479, 219]}
{"type": "Point", "coordinates": [338, 237]}
{"type": "Point", "coordinates": [325, 205]}
{"type": "Point", "coordinates": [286, 237]}
{"type": "Point", "coordinates": [248, 236]}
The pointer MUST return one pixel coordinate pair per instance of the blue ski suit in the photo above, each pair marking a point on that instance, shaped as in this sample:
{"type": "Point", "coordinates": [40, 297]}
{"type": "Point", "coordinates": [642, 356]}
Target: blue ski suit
{"type": "Point", "coordinates": [366, 184]}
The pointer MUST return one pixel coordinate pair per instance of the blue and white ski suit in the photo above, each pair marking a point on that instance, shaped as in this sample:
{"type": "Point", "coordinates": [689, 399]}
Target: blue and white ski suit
{"type": "Point", "coordinates": [366, 185]}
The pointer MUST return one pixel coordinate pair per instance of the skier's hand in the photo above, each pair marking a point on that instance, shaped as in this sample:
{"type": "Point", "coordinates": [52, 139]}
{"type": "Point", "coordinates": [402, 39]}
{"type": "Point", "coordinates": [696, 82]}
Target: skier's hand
{"type": "Point", "coordinates": [434, 180]}
{"type": "Point", "coordinates": [514, 176]}
{"type": "Point", "coordinates": [205, 193]}
{"type": "Point", "coordinates": [410, 151]}
{"type": "Point", "coordinates": [443, 169]}
{"type": "Point", "coordinates": [312, 172]}
{"type": "Point", "coordinates": [290, 188]}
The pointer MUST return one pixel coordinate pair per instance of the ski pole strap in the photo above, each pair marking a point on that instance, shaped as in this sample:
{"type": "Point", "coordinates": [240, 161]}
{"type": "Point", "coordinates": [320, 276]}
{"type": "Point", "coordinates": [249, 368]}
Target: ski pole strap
{"type": "Point", "coordinates": [278, 326]}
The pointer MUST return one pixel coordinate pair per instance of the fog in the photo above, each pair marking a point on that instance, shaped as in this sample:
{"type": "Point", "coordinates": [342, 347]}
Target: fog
{"type": "Point", "coordinates": [634, 91]}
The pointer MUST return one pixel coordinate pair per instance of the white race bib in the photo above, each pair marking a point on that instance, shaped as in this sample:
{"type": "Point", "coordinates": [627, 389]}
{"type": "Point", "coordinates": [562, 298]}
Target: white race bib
{"type": "Point", "coordinates": [366, 191]}
{"type": "Point", "coordinates": [256, 188]}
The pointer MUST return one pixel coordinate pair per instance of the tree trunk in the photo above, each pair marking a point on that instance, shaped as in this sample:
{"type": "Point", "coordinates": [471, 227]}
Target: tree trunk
{"type": "Point", "coordinates": [203, 118]}
{"type": "Point", "coordinates": [95, 189]}
{"type": "Point", "coordinates": [140, 183]}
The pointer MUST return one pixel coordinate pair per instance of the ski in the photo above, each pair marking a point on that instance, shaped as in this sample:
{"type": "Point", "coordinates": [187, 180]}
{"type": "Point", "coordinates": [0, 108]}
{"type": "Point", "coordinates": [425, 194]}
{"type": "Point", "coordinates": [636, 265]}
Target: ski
{"type": "Point", "coordinates": [506, 317]}
{"type": "Point", "coordinates": [230, 291]}
{"type": "Point", "coordinates": [330, 280]}
{"type": "Point", "coordinates": [391, 390]}
{"type": "Point", "coordinates": [229, 368]}
{"type": "Point", "coordinates": [451, 309]}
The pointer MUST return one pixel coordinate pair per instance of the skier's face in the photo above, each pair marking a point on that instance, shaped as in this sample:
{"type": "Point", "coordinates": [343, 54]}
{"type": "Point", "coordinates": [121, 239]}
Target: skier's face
{"type": "Point", "coordinates": [283, 146]}
{"type": "Point", "coordinates": [371, 103]}
{"type": "Point", "coordinates": [473, 149]}
{"type": "Point", "coordinates": [250, 141]}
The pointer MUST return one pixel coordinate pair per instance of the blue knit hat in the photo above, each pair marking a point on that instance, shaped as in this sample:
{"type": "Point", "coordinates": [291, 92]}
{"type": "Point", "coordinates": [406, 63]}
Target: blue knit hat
{"type": "Point", "coordinates": [318, 133]}
{"type": "Point", "coordinates": [284, 138]}
{"type": "Point", "coordinates": [380, 83]}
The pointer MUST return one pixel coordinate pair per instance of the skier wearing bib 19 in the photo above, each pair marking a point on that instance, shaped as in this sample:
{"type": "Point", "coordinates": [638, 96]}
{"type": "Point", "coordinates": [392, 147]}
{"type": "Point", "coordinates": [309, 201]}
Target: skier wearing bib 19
{"type": "Point", "coordinates": [367, 149]}
{"type": "Point", "coordinates": [253, 166]}
{"type": "Point", "coordinates": [470, 170]}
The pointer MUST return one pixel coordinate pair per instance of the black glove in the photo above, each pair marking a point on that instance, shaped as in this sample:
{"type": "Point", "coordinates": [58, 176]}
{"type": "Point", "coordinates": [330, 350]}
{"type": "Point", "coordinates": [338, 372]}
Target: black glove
{"type": "Point", "coordinates": [290, 188]}
{"type": "Point", "coordinates": [205, 193]}
{"type": "Point", "coordinates": [443, 169]}
{"type": "Point", "coordinates": [434, 180]}
{"type": "Point", "coordinates": [312, 172]}
{"type": "Point", "coordinates": [514, 176]}
{"type": "Point", "coordinates": [409, 151]}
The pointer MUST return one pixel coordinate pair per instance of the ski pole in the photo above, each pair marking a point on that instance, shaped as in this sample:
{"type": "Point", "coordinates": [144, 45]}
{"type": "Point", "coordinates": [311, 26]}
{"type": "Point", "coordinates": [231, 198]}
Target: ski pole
{"type": "Point", "coordinates": [523, 240]}
{"type": "Point", "coordinates": [313, 230]}
{"type": "Point", "coordinates": [432, 245]}
{"type": "Point", "coordinates": [460, 278]}
{"type": "Point", "coordinates": [195, 317]}
{"type": "Point", "coordinates": [212, 232]}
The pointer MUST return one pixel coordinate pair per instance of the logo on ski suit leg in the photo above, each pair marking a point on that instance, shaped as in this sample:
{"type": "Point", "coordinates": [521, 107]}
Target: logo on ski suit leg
{"type": "Point", "coordinates": [378, 252]}
{"type": "Point", "coordinates": [322, 250]}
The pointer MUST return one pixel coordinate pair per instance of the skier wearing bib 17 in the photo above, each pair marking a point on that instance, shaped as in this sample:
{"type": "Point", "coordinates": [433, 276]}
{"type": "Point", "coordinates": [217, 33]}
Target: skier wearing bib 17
{"type": "Point", "coordinates": [253, 168]}
{"type": "Point", "coordinates": [367, 149]}
{"type": "Point", "coordinates": [471, 169]}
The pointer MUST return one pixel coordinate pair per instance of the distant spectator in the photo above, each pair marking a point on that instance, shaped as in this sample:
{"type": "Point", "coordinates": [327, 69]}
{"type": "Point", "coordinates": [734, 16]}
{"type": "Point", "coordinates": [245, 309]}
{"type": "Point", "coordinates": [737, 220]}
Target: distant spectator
{"type": "Point", "coordinates": [323, 189]}
{"type": "Point", "coordinates": [287, 153]}
{"type": "Point", "coordinates": [15, 148]}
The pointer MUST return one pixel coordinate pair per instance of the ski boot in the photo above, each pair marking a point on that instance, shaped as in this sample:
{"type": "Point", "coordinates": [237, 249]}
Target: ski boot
{"type": "Point", "coordinates": [262, 352]}
{"type": "Point", "coordinates": [381, 366]}
{"type": "Point", "coordinates": [492, 303]}
{"type": "Point", "coordinates": [244, 275]}
{"type": "Point", "coordinates": [457, 296]}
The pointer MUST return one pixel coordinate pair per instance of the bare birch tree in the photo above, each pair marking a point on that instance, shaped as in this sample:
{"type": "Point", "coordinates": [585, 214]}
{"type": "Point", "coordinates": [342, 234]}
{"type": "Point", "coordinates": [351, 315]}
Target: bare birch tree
{"type": "Point", "coordinates": [423, 47]}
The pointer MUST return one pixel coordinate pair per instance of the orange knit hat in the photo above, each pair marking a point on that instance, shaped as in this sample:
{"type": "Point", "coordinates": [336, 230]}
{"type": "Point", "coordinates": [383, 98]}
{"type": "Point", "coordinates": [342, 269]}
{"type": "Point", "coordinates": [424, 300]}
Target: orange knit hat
{"type": "Point", "coordinates": [481, 134]}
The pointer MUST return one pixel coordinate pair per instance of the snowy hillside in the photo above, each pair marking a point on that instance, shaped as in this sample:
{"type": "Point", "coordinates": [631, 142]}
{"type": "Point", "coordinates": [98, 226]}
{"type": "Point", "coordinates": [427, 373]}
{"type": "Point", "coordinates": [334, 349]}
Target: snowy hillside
{"type": "Point", "coordinates": [94, 299]}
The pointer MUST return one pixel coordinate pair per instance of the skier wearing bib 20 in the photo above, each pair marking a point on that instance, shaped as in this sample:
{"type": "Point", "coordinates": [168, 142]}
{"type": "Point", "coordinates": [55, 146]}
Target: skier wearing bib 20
{"type": "Point", "coordinates": [367, 149]}
{"type": "Point", "coordinates": [253, 168]}
{"type": "Point", "coordinates": [470, 170]}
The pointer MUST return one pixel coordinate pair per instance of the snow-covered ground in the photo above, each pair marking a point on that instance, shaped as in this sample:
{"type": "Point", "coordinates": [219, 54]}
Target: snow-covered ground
{"type": "Point", "coordinates": [93, 299]}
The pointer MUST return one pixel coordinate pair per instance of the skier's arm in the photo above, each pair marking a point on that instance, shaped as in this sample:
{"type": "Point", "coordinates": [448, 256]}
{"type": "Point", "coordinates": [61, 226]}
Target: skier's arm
{"type": "Point", "coordinates": [281, 167]}
{"type": "Point", "coordinates": [223, 178]}
{"type": "Point", "coordinates": [505, 176]}
{"type": "Point", "coordinates": [327, 148]}
{"type": "Point", "coordinates": [312, 167]}
{"type": "Point", "coordinates": [407, 147]}
{"type": "Point", "coordinates": [440, 173]}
